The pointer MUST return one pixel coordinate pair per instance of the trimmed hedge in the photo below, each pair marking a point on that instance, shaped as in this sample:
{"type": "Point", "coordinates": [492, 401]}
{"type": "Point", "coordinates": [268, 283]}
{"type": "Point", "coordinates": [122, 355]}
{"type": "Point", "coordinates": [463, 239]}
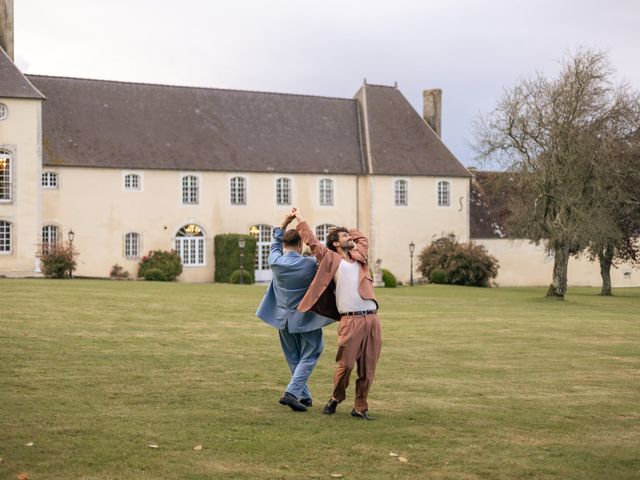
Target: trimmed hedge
{"type": "Point", "coordinates": [389, 279]}
{"type": "Point", "coordinates": [235, 277]}
{"type": "Point", "coordinates": [227, 255]}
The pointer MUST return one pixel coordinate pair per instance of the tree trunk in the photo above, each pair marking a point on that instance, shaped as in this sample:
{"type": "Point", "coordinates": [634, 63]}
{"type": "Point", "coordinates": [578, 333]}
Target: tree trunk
{"type": "Point", "coordinates": [606, 259]}
{"type": "Point", "coordinates": [558, 287]}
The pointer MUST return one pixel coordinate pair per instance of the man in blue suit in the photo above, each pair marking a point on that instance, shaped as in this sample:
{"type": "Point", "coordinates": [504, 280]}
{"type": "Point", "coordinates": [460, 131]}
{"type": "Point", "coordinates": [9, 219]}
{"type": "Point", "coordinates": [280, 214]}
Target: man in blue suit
{"type": "Point", "coordinates": [300, 332]}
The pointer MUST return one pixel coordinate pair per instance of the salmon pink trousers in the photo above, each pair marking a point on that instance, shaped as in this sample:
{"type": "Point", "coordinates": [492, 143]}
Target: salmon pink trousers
{"type": "Point", "coordinates": [359, 342]}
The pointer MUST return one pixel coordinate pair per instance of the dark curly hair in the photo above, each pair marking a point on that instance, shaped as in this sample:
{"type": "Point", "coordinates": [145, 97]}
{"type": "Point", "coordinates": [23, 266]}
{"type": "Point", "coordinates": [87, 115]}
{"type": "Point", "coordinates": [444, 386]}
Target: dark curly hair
{"type": "Point", "coordinates": [334, 235]}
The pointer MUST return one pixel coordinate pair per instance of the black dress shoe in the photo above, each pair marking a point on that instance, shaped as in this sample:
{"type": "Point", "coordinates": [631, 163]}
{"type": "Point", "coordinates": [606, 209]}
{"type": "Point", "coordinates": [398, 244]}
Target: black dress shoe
{"type": "Point", "coordinates": [291, 400]}
{"type": "Point", "coordinates": [363, 414]}
{"type": "Point", "coordinates": [306, 402]}
{"type": "Point", "coordinates": [330, 407]}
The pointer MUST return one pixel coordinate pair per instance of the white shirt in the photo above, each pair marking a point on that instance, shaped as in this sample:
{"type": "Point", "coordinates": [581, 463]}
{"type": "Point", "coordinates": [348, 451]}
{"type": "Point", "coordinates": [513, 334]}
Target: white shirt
{"type": "Point", "coordinates": [347, 295]}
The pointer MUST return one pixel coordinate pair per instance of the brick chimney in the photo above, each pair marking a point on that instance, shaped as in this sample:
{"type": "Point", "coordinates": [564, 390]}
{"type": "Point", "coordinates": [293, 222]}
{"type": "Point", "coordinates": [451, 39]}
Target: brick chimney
{"type": "Point", "coordinates": [432, 112]}
{"type": "Point", "coordinates": [6, 26]}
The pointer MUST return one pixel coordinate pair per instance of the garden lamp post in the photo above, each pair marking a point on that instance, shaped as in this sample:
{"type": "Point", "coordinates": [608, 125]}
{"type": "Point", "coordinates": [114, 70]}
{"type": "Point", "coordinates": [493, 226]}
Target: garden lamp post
{"type": "Point", "coordinates": [241, 244]}
{"type": "Point", "coordinates": [412, 247]}
{"type": "Point", "coordinates": [71, 235]}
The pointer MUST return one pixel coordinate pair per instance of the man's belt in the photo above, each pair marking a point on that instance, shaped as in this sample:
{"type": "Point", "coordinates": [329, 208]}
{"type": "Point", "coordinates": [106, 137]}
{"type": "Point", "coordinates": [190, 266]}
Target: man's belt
{"type": "Point", "coordinates": [361, 312]}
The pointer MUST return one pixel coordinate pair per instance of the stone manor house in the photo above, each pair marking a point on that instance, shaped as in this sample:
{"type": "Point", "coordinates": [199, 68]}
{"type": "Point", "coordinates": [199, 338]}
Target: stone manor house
{"type": "Point", "coordinates": [131, 167]}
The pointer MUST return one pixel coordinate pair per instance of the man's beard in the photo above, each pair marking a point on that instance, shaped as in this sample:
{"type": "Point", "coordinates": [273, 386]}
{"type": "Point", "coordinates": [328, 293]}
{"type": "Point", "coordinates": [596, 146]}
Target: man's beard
{"type": "Point", "coordinates": [348, 246]}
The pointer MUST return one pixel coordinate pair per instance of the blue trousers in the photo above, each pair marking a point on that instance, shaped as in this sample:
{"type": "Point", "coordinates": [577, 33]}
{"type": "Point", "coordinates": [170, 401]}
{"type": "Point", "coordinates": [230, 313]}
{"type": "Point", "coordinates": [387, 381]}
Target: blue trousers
{"type": "Point", "coordinates": [302, 351]}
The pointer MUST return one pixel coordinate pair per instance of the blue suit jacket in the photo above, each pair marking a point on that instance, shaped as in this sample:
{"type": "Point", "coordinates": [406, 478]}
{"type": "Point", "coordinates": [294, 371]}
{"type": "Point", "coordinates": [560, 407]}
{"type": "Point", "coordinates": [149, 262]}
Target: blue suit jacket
{"type": "Point", "coordinates": [292, 275]}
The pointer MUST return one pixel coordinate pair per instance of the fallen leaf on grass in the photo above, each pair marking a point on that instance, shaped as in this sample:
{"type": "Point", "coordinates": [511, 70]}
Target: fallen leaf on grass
{"type": "Point", "coordinates": [153, 445]}
{"type": "Point", "coordinates": [30, 444]}
{"type": "Point", "coordinates": [23, 476]}
{"type": "Point", "coordinates": [198, 447]}
{"type": "Point", "coordinates": [337, 475]}
{"type": "Point", "coordinates": [403, 460]}
{"type": "Point", "coordinates": [391, 454]}
{"type": "Point", "coordinates": [1, 461]}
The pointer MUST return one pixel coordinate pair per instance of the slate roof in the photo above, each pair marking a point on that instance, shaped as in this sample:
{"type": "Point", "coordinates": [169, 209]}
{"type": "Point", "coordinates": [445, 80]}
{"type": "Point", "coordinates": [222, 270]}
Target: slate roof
{"type": "Point", "coordinates": [401, 142]}
{"type": "Point", "coordinates": [99, 123]}
{"type": "Point", "coordinates": [489, 204]}
{"type": "Point", "coordinates": [13, 84]}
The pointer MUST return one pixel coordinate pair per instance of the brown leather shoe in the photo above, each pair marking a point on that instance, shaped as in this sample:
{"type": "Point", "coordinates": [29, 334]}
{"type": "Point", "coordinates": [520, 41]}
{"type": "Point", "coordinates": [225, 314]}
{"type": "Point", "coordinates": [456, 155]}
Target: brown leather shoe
{"type": "Point", "coordinates": [364, 415]}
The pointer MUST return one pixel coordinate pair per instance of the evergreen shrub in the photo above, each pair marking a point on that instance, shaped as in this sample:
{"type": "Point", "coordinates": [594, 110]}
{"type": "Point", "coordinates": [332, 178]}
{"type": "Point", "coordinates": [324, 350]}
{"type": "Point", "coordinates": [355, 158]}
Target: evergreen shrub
{"type": "Point", "coordinates": [227, 256]}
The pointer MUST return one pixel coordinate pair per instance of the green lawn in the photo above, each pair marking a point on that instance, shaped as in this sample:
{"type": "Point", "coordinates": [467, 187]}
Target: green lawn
{"type": "Point", "coordinates": [472, 383]}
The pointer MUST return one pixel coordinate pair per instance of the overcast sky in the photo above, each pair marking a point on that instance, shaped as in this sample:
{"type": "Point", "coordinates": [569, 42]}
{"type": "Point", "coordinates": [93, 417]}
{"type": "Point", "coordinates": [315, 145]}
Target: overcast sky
{"type": "Point", "coordinates": [471, 49]}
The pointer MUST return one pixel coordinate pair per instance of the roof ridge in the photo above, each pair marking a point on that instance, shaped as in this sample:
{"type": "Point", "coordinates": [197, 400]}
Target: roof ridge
{"type": "Point", "coordinates": [190, 87]}
{"type": "Point", "coordinates": [381, 86]}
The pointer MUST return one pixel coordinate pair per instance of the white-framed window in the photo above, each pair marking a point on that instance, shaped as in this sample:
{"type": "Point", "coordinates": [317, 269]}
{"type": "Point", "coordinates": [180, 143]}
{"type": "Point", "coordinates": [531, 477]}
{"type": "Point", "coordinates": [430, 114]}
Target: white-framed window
{"type": "Point", "coordinates": [50, 238]}
{"type": "Point", "coordinates": [190, 245]}
{"type": "Point", "coordinates": [283, 191]}
{"type": "Point", "coordinates": [401, 192]}
{"type": "Point", "coordinates": [323, 230]}
{"type": "Point", "coordinates": [326, 191]}
{"type": "Point", "coordinates": [132, 182]}
{"type": "Point", "coordinates": [5, 237]}
{"type": "Point", "coordinates": [262, 233]}
{"type": "Point", "coordinates": [238, 189]}
{"type": "Point", "coordinates": [4, 111]}
{"type": "Point", "coordinates": [132, 245]}
{"type": "Point", "coordinates": [5, 176]}
{"type": "Point", "coordinates": [190, 190]}
{"type": "Point", "coordinates": [444, 193]}
{"type": "Point", "coordinates": [49, 179]}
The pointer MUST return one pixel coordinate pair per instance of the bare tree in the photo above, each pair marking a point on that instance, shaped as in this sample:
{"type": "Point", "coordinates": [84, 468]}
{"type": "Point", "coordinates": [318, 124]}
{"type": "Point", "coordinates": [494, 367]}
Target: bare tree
{"type": "Point", "coordinates": [548, 132]}
{"type": "Point", "coordinates": [618, 195]}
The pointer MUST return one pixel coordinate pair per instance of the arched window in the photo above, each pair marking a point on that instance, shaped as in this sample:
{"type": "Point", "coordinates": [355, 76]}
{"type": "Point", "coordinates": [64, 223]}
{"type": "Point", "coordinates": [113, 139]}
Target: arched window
{"type": "Point", "coordinates": [132, 245]}
{"type": "Point", "coordinates": [5, 237]}
{"type": "Point", "coordinates": [49, 179]}
{"type": "Point", "coordinates": [444, 194]}
{"type": "Point", "coordinates": [401, 193]}
{"type": "Point", "coordinates": [50, 238]}
{"type": "Point", "coordinates": [326, 191]}
{"type": "Point", "coordinates": [238, 191]}
{"type": "Point", "coordinates": [190, 245]}
{"type": "Point", "coordinates": [190, 189]}
{"type": "Point", "coordinates": [283, 191]}
{"type": "Point", "coordinates": [132, 182]}
{"type": "Point", "coordinates": [5, 176]}
{"type": "Point", "coordinates": [323, 230]}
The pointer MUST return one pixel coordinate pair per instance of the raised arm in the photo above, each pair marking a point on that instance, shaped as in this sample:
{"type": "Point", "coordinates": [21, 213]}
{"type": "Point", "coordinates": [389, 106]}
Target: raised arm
{"type": "Point", "coordinates": [276, 246]}
{"type": "Point", "coordinates": [361, 252]}
{"type": "Point", "coordinates": [308, 237]}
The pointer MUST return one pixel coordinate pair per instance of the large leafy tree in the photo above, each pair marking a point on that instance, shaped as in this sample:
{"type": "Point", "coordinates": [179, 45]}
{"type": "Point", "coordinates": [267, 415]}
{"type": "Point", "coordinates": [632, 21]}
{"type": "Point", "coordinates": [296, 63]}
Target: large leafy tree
{"type": "Point", "coordinates": [549, 132]}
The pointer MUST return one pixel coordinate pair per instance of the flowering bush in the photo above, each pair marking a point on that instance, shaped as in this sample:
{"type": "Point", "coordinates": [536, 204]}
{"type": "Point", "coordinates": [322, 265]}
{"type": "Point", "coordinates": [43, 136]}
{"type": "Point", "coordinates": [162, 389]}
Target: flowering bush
{"type": "Point", "coordinates": [160, 266]}
{"type": "Point", "coordinates": [58, 261]}
{"type": "Point", "coordinates": [448, 261]}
